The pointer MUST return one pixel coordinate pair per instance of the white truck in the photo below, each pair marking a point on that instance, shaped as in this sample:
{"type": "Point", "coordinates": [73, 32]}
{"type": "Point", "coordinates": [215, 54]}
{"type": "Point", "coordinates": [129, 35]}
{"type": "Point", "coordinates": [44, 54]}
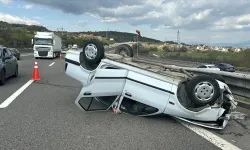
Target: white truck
{"type": "Point", "coordinates": [46, 45]}
{"type": "Point", "coordinates": [132, 86]}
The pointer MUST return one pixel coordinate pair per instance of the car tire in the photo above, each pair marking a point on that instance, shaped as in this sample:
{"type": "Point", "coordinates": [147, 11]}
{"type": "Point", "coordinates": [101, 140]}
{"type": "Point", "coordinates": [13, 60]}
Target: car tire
{"type": "Point", "coordinates": [3, 77]}
{"type": "Point", "coordinates": [16, 72]}
{"type": "Point", "coordinates": [203, 90]}
{"type": "Point", "coordinates": [93, 52]}
{"type": "Point", "coordinates": [124, 48]}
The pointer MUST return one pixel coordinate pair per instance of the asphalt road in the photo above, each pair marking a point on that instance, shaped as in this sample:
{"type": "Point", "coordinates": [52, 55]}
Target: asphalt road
{"type": "Point", "coordinates": [44, 116]}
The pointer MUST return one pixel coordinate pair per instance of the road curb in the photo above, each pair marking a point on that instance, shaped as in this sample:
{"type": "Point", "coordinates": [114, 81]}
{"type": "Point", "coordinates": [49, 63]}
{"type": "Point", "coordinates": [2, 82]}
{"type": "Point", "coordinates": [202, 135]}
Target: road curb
{"type": "Point", "coordinates": [243, 104]}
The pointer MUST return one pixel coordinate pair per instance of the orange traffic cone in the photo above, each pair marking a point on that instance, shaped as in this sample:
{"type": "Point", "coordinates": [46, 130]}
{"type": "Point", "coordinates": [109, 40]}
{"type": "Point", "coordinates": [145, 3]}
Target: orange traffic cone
{"type": "Point", "coordinates": [60, 56]}
{"type": "Point", "coordinates": [36, 76]}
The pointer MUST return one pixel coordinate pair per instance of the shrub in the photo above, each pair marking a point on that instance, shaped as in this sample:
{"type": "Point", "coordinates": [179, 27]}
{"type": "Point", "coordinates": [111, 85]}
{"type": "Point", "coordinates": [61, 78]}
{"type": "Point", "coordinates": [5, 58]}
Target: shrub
{"type": "Point", "coordinates": [165, 49]}
{"type": "Point", "coordinates": [183, 49]}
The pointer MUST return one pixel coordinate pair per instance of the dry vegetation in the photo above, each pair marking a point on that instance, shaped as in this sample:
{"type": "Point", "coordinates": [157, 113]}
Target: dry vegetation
{"type": "Point", "coordinates": [239, 59]}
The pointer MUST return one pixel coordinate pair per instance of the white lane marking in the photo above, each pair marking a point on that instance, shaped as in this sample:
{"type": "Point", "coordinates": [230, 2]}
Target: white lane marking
{"type": "Point", "coordinates": [52, 64]}
{"type": "Point", "coordinates": [15, 95]}
{"type": "Point", "coordinates": [27, 54]}
{"type": "Point", "coordinates": [214, 139]}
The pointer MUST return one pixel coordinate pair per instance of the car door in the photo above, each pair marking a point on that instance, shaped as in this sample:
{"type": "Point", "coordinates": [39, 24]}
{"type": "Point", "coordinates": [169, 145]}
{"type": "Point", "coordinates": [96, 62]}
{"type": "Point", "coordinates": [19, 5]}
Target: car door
{"type": "Point", "coordinates": [143, 95]}
{"type": "Point", "coordinates": [103, 90]}
{"type": "Point", "coordinates": [7, 62]}
{"type": "Point", "coordinates": [13, 61]}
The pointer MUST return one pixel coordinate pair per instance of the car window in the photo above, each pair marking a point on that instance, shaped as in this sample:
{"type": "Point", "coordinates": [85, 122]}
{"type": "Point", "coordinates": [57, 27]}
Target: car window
{"type": "Point", "coordinates": [8, 52]}
{"type": "Point", "coordinates": [202, 67]}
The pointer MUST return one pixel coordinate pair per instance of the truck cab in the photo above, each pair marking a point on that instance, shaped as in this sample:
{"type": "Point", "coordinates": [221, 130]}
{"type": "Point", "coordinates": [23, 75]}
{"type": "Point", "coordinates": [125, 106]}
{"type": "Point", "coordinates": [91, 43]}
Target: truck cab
{"type": "Point", "coordinates": [46, 45]}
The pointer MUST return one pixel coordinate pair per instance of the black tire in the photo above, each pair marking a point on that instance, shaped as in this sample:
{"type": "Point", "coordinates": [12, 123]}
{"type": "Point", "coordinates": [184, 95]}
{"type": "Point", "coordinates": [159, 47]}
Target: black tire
{"type": "Point", "coordinates": [16, 72]}
{"type": "Point", "coordinates": [206, 85]}
{"type": "Point", "coordinates": [3, 77]}
{"type": "Point", "coordinates": [95, 44]}
{"type": "Point", "coordinates": [218, 77]}
{"type": "Point", "coordinates": [126, 48]}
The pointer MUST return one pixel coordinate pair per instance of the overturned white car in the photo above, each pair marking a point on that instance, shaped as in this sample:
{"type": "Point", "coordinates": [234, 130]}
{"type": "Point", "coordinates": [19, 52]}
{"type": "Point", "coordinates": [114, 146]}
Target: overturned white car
{"type": "Point", "coordinates": [111, 81]}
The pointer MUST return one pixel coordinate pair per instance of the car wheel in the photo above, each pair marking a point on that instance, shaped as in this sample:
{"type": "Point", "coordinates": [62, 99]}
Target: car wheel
{"type": "Point", "coordinates": [16, 72]}
{"type": "Point", "coordinates": [93, 52]}
{"type": "Point", "coordinates": [124, 49]}
{"type": "Point", "coordinates": [3, 77]}
{"type": "Point", "coordinates": [203, 90]}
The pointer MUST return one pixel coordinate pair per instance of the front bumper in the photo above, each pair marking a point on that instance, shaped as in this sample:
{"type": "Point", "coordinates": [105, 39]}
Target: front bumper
{"type": "Point", "coordinates": [219, 125]}
{"type": "Point", "coordinates": [45, 54]}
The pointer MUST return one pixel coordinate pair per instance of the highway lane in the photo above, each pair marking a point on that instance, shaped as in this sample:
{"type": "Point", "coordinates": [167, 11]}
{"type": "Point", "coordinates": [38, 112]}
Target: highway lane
{"type": "Point", "coordinates": [26, 66]}
{"type": "Point", "coordinates": [44, 116]}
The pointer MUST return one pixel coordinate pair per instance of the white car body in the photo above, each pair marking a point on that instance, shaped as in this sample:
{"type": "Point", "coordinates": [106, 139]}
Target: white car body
{"type": "Point", "coordinates": [142, 86]}
{"type": "Point", "coordinates": [210, 67]}
{"type": "Point", "coordinates": [74, 46]}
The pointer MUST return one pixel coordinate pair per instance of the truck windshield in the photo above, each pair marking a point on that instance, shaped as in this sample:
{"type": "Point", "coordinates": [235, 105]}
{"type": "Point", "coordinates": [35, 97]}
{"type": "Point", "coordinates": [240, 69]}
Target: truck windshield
{"type": "Point", "coordinates": [43, 41]}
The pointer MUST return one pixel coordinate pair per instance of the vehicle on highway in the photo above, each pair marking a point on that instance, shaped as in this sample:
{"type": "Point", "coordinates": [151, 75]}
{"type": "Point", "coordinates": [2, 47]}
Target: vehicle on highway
{"type": "Point", "coordinates": [112, 81]}
{"type": "Point", "coordinates": [75, 47]}
{"type": "Point", "coordinates": [64, 50]}
{"type": "Point", "coordinates": [226, 67]}
{"type": "Point", "coordinates": [8, 65]}
{"type": "Point", "coordinates": [209, 66]}
{"type": "Point", "coordinates": [15, 52]}
{"type": "Point", "coordinates": [46, 45]}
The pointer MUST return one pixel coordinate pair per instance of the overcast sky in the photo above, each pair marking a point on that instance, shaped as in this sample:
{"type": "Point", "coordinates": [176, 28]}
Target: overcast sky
{"type": "Point", "coordinates": [199, 21]}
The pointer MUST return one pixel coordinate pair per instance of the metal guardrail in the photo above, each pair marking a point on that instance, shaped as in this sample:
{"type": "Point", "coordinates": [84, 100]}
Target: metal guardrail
{"type": "Point", "coordinates": [239, 83]}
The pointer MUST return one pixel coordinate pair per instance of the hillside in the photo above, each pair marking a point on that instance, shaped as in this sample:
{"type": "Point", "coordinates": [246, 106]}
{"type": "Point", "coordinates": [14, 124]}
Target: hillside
{"type": "Point", "coordinates": [19, 35]}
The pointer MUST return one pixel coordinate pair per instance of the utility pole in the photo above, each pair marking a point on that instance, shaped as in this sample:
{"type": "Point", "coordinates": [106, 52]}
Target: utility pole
{"type": "Point", "coordinates": [137, 45]}
{"type": "Point", "coordinates": [107, 34]}
{"type": "Point", "coordinates": [61, 30]}
{"type": "Point", "coordinates": [178, 39]}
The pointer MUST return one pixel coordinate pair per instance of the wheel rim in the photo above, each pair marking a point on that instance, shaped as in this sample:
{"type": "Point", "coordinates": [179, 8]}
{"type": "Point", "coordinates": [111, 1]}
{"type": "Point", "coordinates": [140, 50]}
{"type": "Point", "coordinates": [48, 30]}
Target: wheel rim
{"type": "Point", "coordinates": [91, 51]}
{"type": "Point", "coordinates": [204, 91]}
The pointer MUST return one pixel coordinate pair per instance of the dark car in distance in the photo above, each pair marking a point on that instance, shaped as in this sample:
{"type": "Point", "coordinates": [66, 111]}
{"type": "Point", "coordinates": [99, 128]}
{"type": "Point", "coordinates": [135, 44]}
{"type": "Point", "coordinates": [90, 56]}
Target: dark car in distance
{"type": "Point", "coordinates": [226, 67]}
{"type": "Point", "coordinates": [15, 52]}
{"type": "Point", "coordinates": [8, 65]}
